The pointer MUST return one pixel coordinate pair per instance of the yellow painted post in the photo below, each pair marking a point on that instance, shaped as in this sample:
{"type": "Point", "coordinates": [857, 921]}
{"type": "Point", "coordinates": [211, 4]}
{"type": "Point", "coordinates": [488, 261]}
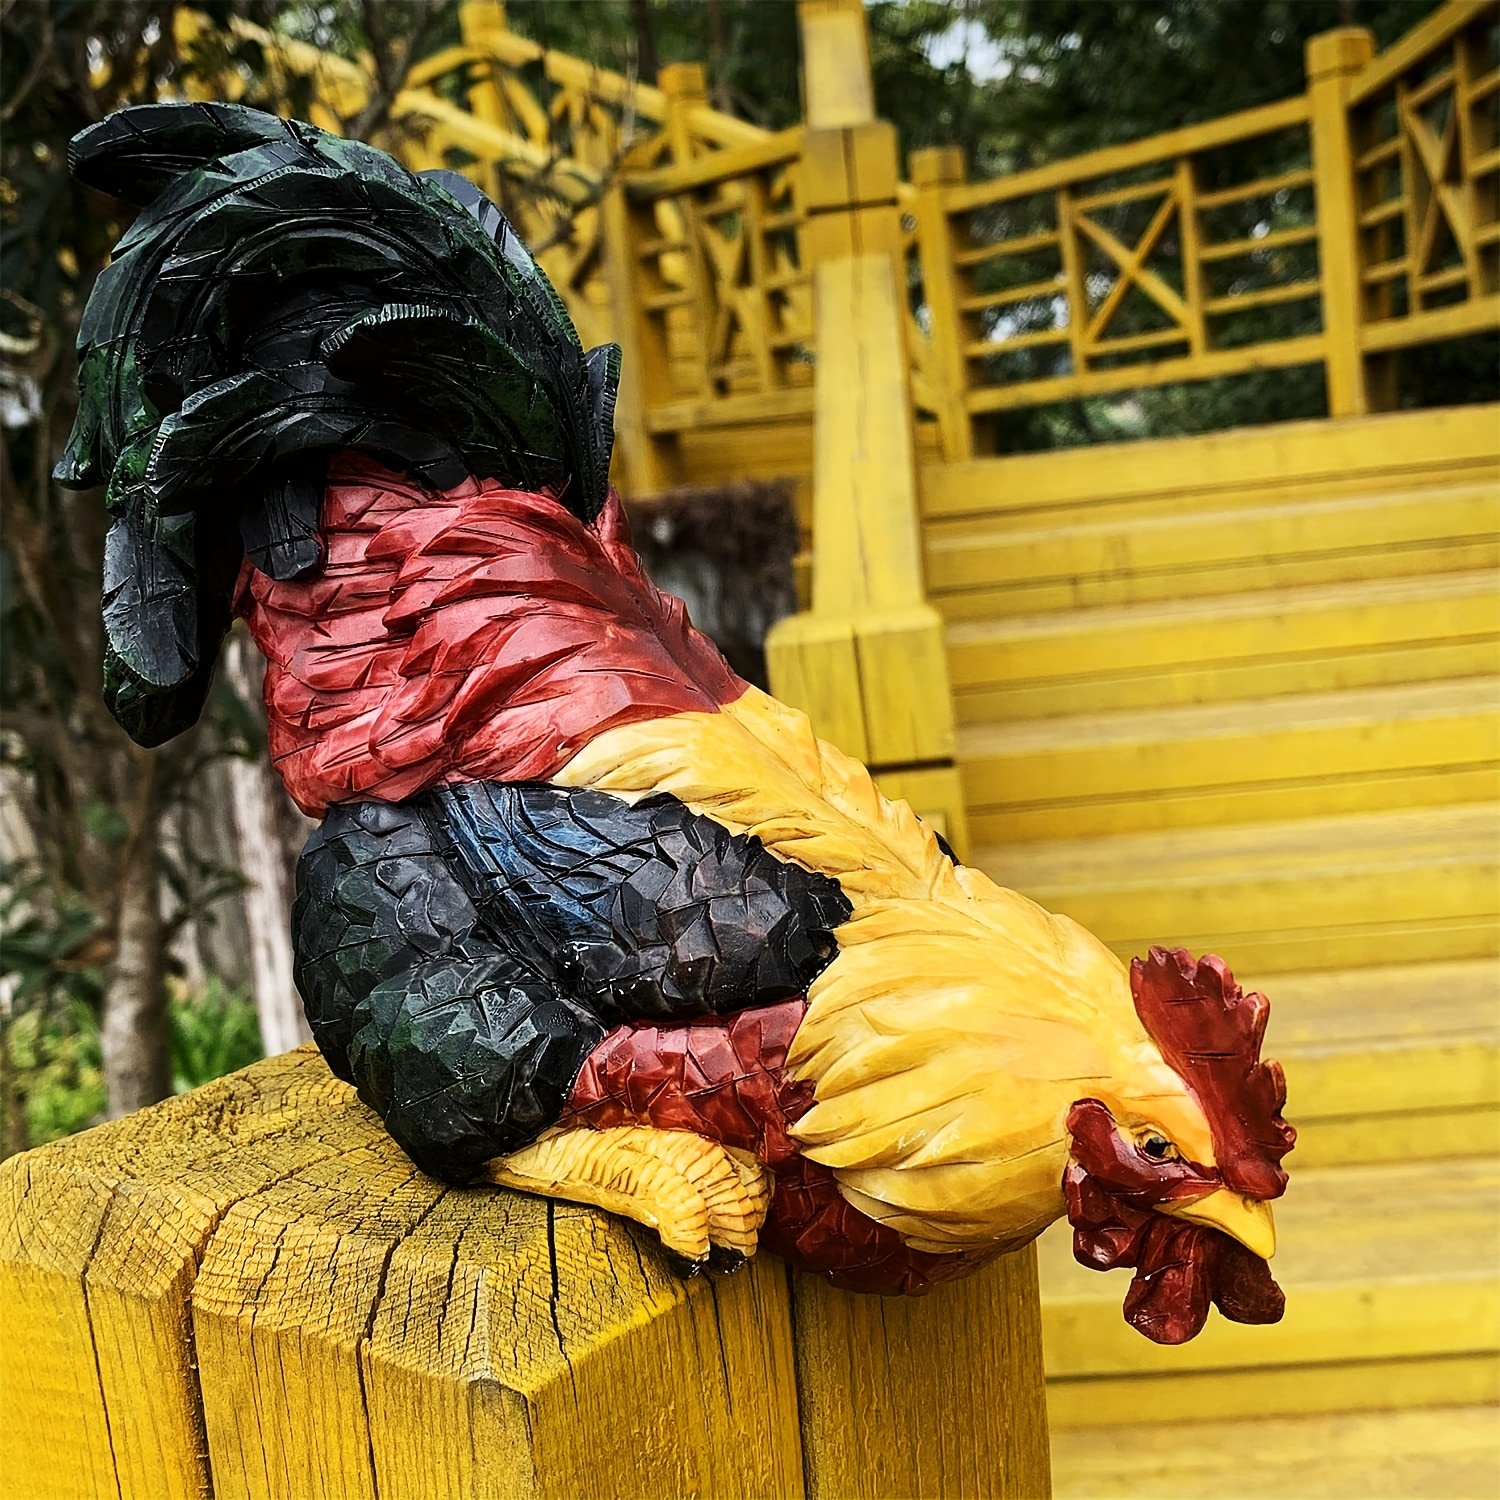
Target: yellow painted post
{"type": "Point", "coordinates": [480, 22]}
{"type": "Point", "coordinates": [1333, 59]}
{"type": "Point", "coordinates": [249, 1291]}
{"type": "Point", "coordinates": [868, 662]}
{"type": "Point", "coordinates": [686, 89]}
{"type": "Point", "coordinates": [932, 170]}
{"type": "Point", "coordinates": [644, 464]}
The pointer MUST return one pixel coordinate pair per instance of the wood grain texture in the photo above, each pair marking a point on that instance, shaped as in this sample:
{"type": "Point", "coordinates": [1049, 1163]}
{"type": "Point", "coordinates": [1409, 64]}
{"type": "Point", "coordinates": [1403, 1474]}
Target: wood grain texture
{"type": "Point", "coordinates": [249, 1291]}
{"type": "Point", "coordinates": [951, 1403]}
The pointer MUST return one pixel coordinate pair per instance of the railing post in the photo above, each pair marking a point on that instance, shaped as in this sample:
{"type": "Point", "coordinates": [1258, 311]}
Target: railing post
{"type": "Point", "coordinates": [867, 663]}
{"type": "Point", "coordinates": [932, 170]}
{"type": "Point", "coordinates": [686, 90]}
{"type": "Point", "coordinates": [641, 466]}
{"type": "Point", "coordinates": [656, 365]}
{"type": "Point", "coordinates": [1332, 61]}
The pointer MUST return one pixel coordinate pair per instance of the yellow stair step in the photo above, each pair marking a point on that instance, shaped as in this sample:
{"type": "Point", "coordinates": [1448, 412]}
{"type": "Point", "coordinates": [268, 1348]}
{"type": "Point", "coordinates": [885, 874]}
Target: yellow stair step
{"type": "Point", "coordinates": [1366, 749]}
{"type": "Point", "coordinates": [1231, 681]}
{"type": "Point", "coordinates": [1389, 1064]}
{"type": "Point", "coordinates": [1289, 462]}
{"type": "Point", "coordinates": [1441, 1453]}
{"type": "Point", "coordinates": [1311, 893]}
{"type": "Point", "coordinates": [1142, 638]}
{"type": "Point", "coordinates": [1381, 1265]}
{"type": "Point", "coordinates": [978, 568]}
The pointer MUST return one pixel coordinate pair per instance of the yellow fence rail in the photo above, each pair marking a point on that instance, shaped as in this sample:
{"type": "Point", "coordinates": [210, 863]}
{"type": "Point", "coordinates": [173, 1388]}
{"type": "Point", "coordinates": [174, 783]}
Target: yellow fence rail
{"type": "Point", "coordinates": [1335, 227]}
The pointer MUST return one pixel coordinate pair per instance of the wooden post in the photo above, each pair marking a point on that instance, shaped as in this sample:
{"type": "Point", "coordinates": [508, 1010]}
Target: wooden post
{"type": "Point", "coordinates": [644, 463]}
{"type": "Point", "coordinates": [932, 170]}
{"type": "Point", "coordinates": [868, 663]}
{"type": "Point", "coordinates": [1332, 61]}
{"type": "Point", "coordinates": [249, 1291]}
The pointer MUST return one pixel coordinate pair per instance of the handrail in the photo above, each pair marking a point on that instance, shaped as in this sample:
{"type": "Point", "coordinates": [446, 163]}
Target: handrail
{"type": "Point", "coordinates": [1440, 27]}
{"type": "Point", "coordinates": [1388, 235]}
{"type": "Point", "coordinates": [1246, 124]}
{"type": "Point", "coordinates": [733, 161]}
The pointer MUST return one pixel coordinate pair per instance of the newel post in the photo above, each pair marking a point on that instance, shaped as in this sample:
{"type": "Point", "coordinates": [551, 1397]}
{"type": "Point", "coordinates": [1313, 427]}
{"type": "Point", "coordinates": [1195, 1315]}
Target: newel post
{"type": "Point", "coordinates": [867, 663]}
{"type": "Point", "coordinates": [1333, 60]}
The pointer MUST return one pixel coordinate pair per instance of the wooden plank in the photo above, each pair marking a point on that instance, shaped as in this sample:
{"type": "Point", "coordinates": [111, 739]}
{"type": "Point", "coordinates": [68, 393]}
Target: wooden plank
{"type": "Point", "coordinates": [813, 665]}
{"type": "Point", "coordinates": [1333, 60]}
{"type": "Point", "coordinates": [461, 1287]}
{"type": "Point", "coordinates": [1364, 1139]}
{"type": "Point", "coordinates": [1259, 188]}
{"type": "Point", "coordinates": [903, 683]}
{"type": "Point", "coordinates": [715, 167]}
{"type": "Point", "coordinates": [1136, 759]}
{"type": "Point", "coordinates": [1272, 240]}
{"type": "Point", "coordinates": [1296, 1390]}
{"type": "Point", "coordinates": [1249, 461]}
{"type": "Point", "coordinates": [1220, 682]}
{"type": "Point", "coordinates": [56, 1440]}
{"type": "Point", "coordinates": [1011, 295]}
{"type": "Point", "coordinates": [1270, 296]}
{"type": "Point", "coordinates": [1024, 244]}
{"type": "Point", "coordinates": [986, 348]}
{"type": "Point", "coordinates": [837, 86]}
{"type": "Point", "coordinates": [983, 556]}
{"type": "Point", "coordinates": [1443, 24]}
{"type": "Point", "coordinates": [1312, 794]}
{"type": "Point", "coordinates": [1390, 887]}
{"type": "Point", "coordinates": [1303, 234]}
{"type": "Point", "coordinates": [731, 411]}
{"type": "Point", "coordinates": [1455, 1451]}
{"type": "Point", "coordinates": [359, 1329]}
{"type": "Point", "coordinates": [967, 1340]}
{"type": "Point", "coordinates": [865, 513]}
{"type": "Point", "coordinates": [98, 1249]}
{"type": "Point", "coordinates": [943, 286]}
{"type": "Point", "coordinates": [1171, 633]}
{"type": "Point", "coordinates": [1477, 315]}
{"type": "Point", "coordinates": [1268, 356]}
{"type": "Point", "coordinates": [1263, 120]}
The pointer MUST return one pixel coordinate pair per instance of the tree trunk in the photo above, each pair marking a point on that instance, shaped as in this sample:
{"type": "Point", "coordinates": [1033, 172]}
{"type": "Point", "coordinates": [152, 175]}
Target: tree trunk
{"type": "Point", "coordinates": [137, 1069]}
{"type": "Point", "coordinates": [646, 62]}
{"type": "Point", "coordinates": [266, 862]}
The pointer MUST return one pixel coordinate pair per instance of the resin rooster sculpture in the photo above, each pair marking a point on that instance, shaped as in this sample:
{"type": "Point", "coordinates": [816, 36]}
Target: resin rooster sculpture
{"type": "Point", "coordinates": [586, 915]}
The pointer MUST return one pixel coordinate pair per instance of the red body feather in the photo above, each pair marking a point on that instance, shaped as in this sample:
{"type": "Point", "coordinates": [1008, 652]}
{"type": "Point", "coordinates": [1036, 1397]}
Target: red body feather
{"type": "Point", "coordinates": [469, 634]}
{"type": "Point", "coordinates": [725, 1078]}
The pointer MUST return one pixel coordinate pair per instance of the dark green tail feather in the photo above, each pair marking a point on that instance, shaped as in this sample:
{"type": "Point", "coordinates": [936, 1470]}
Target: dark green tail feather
{"type": "Point", "coordinates": [286, 294]}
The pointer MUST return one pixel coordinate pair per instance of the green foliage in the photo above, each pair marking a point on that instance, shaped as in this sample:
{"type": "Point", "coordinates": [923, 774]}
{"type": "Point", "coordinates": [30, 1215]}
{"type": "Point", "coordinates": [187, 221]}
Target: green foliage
{"type": "Point", "coordinates": [56, 1064]}
{"type": "Point", "coordinates": [212, 1032]}
{"type": "Point", "coordinates": [50, 953]}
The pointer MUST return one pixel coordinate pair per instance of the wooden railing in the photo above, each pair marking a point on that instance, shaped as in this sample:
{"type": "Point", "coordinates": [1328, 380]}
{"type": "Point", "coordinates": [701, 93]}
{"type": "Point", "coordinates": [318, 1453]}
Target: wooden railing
{"type": "Point", "coordinates": [1357, 218]}
{"type": "Point", "coordinates": [1363, 211]}
{"type": "Point", "coordinates": [1081, 277]}
{"type": "Point", "coordinates": [714, 240]}
{"type": "Point", "coordinates": [1425, 122]}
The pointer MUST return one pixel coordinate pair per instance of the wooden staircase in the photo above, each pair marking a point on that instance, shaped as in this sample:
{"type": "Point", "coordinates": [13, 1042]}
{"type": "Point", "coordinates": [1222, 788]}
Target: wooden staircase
{"type": "Point", "coordinates": [1242, 694]}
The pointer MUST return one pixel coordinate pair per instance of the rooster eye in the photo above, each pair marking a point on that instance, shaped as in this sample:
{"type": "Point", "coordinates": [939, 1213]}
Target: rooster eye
{"type": "Point", "coordinates": [1158, 1148]}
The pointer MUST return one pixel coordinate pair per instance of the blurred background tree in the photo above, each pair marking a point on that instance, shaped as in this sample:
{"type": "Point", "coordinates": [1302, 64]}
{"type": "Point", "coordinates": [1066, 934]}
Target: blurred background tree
{"type": "Point", "coordinates": [144, 894]}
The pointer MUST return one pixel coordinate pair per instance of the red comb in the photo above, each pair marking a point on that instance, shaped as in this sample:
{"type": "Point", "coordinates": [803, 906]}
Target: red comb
{"type": "Point", "coordinates": [1210, 1032]}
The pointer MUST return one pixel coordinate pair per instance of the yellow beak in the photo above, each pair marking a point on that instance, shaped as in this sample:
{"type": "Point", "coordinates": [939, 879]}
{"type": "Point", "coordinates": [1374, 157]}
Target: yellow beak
{"type": "Point", "coordinates": [1247, 1220]}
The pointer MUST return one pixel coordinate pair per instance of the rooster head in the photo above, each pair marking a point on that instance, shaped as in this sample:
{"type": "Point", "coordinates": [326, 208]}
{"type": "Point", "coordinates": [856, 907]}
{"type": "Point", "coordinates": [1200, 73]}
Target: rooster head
{"type": "Point", "coordinates": [1174, 1174]}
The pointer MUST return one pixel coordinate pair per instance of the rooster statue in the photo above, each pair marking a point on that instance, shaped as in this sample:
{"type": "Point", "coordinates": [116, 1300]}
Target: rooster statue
{"type": "Point", "coordinates": [587, 915]}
